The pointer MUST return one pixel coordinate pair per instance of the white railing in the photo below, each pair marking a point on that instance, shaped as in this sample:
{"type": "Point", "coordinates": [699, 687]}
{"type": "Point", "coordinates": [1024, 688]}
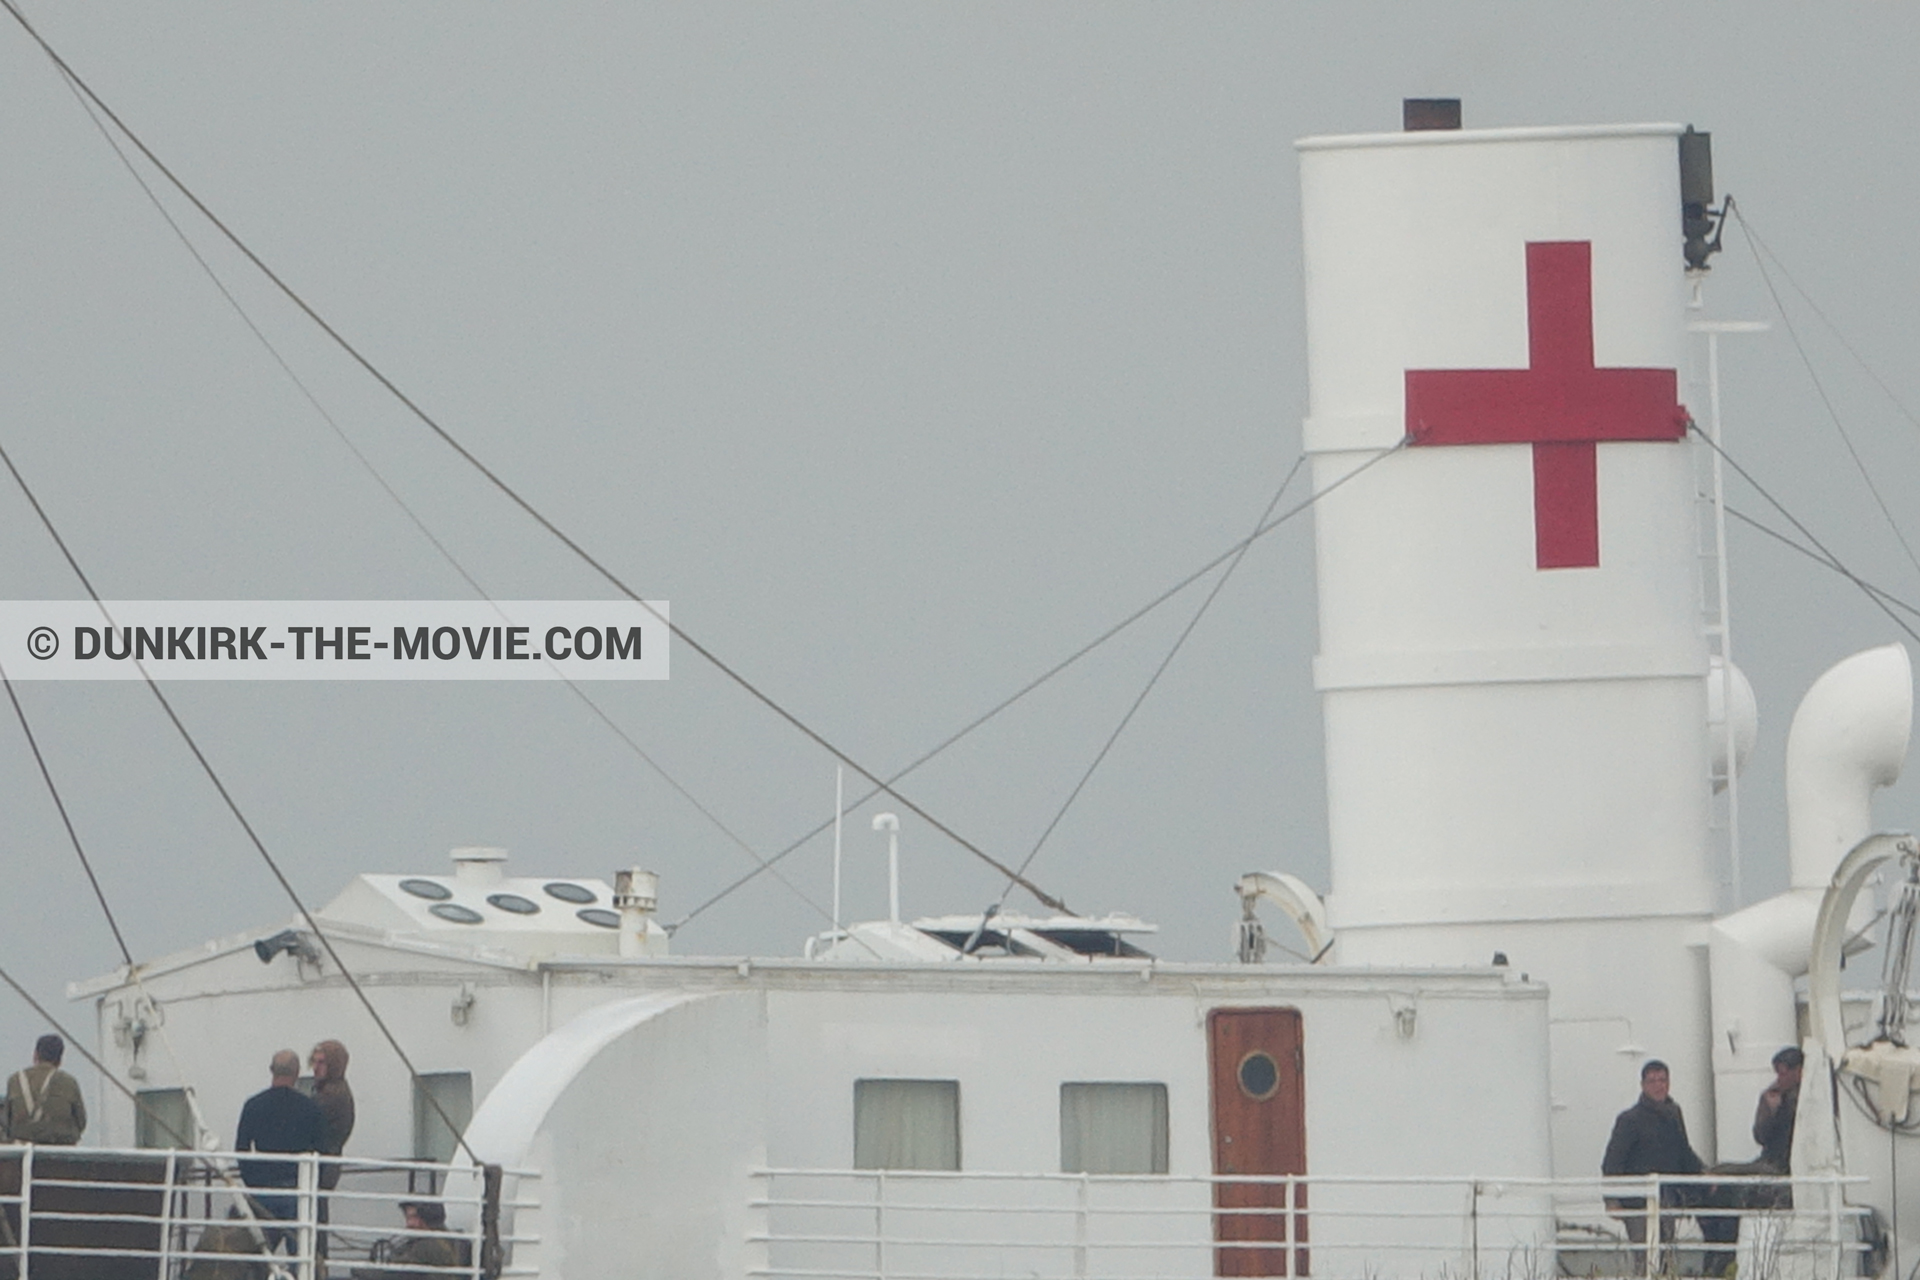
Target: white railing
{"type": "Point", "coordinates": [901, 1225]}
{"type": "Point", "coordinates": [100, 1214]}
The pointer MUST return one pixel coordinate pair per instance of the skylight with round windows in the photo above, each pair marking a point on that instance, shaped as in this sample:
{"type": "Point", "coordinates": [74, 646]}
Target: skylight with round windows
{"type": "Point", "coordinates": [514, 903]}
{"type": "Point", "coordinates": [567, 892]}
{"type": "Point", "coordinates": [456, 913]}
{"type": "Point", "coordinates": [431, 890]}
{"type": "Point", "coordinates": [600, 916]}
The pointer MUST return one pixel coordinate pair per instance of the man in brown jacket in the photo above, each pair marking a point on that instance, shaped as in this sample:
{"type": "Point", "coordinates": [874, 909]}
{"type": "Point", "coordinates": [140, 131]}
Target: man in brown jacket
{"type": "Point", "coordinates": [328, 1062]}
{"type": "Point", "coordinates": [43, 1102]}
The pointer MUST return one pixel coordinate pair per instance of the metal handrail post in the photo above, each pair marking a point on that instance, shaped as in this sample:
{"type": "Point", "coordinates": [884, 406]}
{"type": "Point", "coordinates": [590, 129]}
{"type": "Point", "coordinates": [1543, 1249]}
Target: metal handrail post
{"type": "Point", "coordinates": [1287, 1230]}
{"type": "Point", "coordinates": [26, 1213]}
{"type": "Point", "coordinates": [880, 1224]}
{"type": "Point", "coordinates": [307, 1179]}
{"type": "Point", "coordinates": [1833, 1225]}
{"type": "Point", "coordinates": [166, 1215]}
{"type": "Point", "coordinates": [1652, 1211]}
{"type": "Point", "coordinates": [492, 1253]}
{"type": "Point", "coordinates": [1080, 1229]}
{"type": "Point", "coordinates": [1473, 1214]}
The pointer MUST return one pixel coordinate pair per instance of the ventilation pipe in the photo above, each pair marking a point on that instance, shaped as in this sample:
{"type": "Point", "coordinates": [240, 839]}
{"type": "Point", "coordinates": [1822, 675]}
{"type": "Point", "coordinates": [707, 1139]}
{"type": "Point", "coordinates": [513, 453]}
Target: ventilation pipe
{"type": "Point", "coordinates": [1733, 720]}
{"type": "Point", "coordinates": [1849, 737]}
{"type": "Point", "coordinates": [636, 894]}
{"type": "Point", "coordinates": [480, 868]}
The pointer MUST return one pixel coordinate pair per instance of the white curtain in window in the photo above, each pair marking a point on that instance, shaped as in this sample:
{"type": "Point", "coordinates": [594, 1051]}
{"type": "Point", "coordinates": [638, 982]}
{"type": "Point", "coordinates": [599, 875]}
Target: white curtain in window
{"type": "Point", "coordinates": [432, 1138]}
{"type": "Point", "coordinates": [906, 1124]}
{"type": "Point", "coordinates": [1113, 1128]}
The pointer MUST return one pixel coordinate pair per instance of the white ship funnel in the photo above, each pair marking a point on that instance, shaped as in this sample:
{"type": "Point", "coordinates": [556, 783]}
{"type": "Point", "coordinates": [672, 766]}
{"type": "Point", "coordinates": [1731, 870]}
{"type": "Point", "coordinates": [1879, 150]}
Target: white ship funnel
{"type": "Point", "coordinates": [1513, 663]}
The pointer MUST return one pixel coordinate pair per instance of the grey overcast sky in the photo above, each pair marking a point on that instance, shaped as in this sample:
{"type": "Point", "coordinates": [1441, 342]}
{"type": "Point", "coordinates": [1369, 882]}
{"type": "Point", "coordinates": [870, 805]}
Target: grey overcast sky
{"type": "Point", "coordinates": [903, 348]}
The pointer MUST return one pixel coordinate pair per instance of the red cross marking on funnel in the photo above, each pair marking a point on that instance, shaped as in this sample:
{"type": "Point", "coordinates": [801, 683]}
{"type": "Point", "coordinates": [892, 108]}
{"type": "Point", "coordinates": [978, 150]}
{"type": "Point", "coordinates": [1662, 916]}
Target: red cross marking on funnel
{"type": "Point", "coordinates": [1560, 404]}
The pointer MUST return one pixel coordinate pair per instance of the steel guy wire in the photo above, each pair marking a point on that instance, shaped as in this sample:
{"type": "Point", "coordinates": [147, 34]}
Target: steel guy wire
{"type": "Point", "coordinates": [1833, 413]}
{"type": "Point", "coordinates": [1872, 593]}
{"type": "Point", "coordinates": [1140, 698]}
{"type": "Point", "coordinates": [393, 494]}
{"type": "Point", "coordinates": [508, 491]}
{"type": "Point", "coordinates": [1123, 624]}
{"type": "Point", "coordinates": [233, 807]}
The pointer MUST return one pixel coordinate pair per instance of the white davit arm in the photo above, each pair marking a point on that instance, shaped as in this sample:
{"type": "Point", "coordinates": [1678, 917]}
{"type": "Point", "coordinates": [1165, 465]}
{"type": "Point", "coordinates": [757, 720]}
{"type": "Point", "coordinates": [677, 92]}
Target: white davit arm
{"type": "Point", "coordinates": [1294, 897]}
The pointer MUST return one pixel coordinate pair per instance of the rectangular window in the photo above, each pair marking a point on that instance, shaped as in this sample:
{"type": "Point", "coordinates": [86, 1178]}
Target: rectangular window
{"type": "Point", "coordinates": [163, 1119]}
{"type": "Point", "coordinates": [1113, 1128]}
{"type": "Point", "coordinates": [906, 1124]}
{"type": "Point", "coordinates": [432, 1138]}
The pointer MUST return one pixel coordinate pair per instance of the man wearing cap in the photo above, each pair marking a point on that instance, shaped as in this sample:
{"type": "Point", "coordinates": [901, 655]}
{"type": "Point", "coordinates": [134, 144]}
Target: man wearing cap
{"type": "Point", "coordinates": [43, 1102]}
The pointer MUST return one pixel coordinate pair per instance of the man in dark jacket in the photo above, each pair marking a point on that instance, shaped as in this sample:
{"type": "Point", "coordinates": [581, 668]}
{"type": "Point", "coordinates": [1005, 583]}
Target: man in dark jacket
{"type": "Point", "coordinates": [1773, 1130]}
{"type": "Point", "coordinates": [1773, 1118]}
{"type": "Point", "coordinates": [279, 1118]}
{"type": "Point", "coordinates": [1649, 1137]}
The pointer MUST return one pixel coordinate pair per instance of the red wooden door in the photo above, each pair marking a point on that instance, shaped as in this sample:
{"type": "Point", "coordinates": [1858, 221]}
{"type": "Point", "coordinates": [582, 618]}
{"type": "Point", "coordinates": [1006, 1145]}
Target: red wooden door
{"type": "Point", "coordinates": [1259, 1127]}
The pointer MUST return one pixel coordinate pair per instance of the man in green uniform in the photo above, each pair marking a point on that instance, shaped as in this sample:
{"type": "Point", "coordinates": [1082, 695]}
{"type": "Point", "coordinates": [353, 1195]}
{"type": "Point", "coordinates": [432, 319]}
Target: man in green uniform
{"type": "Point", "coordinates": [423, 1250]}
{"type": "Point", "coordinates": [43, 1102]}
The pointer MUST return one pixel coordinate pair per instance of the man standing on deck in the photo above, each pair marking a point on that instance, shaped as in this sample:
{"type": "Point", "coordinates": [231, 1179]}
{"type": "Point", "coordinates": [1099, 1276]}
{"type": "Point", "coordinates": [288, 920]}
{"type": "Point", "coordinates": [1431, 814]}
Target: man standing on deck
{"type": "Point", "coordinates": [279, 1118]}
{"type": "Point", "coordinates": [1773, 1118]}
{"type": "Point", "coordinates": [43, 1102]}
{"type": "Point", "coordinates": [335, 1098]}
{"type": "Point", "coordinates": [1649, 1137]}
{"type": "Point", "coordinates": [1773, 1130]}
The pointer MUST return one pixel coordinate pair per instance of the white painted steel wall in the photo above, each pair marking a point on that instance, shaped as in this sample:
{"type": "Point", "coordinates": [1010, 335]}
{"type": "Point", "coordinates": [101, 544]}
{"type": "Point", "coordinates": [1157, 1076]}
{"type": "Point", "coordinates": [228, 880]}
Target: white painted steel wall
{"type": "Point", "coordinates": [645, 1119]}
{"type": "Point", "coordinates": [228, 1014]}
{"type": "Point", "coordinates": [1517, 758]}
{"type": "Point", "coordinates": [1465, 1093]}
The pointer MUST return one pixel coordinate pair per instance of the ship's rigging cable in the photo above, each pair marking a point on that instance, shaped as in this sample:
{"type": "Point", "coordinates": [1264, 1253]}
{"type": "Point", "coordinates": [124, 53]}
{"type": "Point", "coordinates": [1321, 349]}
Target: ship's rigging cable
{"type": "Point", "coordinates": [66, 820]}
{"type": "Point", "coordinates": [508, 491]}
{"type": "Point", "coordinates": [1839, 335]}
{"type": "Point", "coordinates": [233, 807]}
{"type": "Point", "coordinates": [1056, 669]}
{"type": "Point", "coordinates": [86, 863]}
{"type": "Point", "coordinates": [1878, 593]}
{"type": "Point", "coordinates": [1754, 246]}
{"type": "Point", "coordinates": [393, 494]}
{"type": "Point", "coordinates": [1831, 560]}
{"type": "Point", "coordinates": [1166, 661]}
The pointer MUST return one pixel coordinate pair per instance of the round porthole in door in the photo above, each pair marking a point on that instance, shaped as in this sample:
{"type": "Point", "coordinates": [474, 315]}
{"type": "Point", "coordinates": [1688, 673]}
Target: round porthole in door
{"type": "Point", "coordinates": [1259, 1075]}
